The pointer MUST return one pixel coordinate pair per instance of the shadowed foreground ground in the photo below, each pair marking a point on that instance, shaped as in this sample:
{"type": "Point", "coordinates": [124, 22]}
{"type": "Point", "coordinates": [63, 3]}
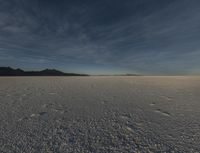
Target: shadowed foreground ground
{"type": "Point", "coordinates": [99, 114]}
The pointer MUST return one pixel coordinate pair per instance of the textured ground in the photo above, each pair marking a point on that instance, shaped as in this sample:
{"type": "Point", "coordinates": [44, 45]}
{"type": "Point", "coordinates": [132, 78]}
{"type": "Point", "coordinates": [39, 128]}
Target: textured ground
{"type": "Point", "coordinates": [99, 114]}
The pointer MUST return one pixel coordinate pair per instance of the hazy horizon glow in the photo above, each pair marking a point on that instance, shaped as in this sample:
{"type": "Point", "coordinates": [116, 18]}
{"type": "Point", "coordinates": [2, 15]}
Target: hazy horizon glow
{"type": "Point", "coordinates": [102, 37]}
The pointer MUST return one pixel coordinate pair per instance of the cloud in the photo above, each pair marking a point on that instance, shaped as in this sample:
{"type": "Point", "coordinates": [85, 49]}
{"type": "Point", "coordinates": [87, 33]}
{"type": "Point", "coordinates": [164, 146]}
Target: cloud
{"type": "Point", "coordinates": [150, 37]}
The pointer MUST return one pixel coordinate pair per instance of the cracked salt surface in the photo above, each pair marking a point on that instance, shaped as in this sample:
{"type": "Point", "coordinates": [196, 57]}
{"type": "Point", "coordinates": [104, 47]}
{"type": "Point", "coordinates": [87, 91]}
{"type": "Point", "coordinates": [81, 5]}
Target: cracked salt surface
{"type": "Point", "coordinates": [99, 114]}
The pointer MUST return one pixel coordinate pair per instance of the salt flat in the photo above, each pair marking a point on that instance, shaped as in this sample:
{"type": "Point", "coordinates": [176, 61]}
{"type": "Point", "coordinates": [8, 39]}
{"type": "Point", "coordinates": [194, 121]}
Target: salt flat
{"type": "Point", "coordinates": [99, 114]}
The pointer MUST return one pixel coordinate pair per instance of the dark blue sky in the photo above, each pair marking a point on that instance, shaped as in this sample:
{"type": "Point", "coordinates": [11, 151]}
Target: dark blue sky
{"type": "Point", "coordinates": [154, 37]}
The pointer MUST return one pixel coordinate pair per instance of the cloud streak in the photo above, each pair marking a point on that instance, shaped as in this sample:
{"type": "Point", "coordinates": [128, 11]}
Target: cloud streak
{"type": "Point", "coordinates": [148, 37]}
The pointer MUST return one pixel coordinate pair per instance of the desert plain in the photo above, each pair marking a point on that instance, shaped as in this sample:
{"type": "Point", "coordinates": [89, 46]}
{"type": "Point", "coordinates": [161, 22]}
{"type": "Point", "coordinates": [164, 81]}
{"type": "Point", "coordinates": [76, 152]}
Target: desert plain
{"type": "Point", "coordinates": [100, 114]}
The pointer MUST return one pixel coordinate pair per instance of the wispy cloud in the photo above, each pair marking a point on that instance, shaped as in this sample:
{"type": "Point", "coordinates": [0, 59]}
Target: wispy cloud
{"type": "Point", "coordinates": [151, 37]}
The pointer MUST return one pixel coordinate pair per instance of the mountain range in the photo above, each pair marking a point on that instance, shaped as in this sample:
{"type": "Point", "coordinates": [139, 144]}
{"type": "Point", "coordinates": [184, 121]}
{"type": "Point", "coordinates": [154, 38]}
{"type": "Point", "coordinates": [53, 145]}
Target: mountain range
{"type": "Point", "coordinates": [8, 71]}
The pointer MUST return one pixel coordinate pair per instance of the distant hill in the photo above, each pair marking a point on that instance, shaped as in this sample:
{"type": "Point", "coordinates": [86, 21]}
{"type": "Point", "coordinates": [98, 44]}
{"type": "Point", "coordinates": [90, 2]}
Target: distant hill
{"type": "Point", "coordinates": [8, 71]}
{"type": "Point", "coordinates": [120, 75]}
{"type": "Point", "coordinates": [132, 74]}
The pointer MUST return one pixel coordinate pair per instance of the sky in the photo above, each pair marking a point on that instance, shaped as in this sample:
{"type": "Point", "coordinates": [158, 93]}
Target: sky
{"type": "Point", "coordinates": [148, 37]}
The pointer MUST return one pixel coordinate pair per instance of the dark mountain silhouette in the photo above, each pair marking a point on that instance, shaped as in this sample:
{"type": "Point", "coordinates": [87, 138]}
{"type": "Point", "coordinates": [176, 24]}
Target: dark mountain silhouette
{"type": "Point", "coordinates": [8, 71]}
